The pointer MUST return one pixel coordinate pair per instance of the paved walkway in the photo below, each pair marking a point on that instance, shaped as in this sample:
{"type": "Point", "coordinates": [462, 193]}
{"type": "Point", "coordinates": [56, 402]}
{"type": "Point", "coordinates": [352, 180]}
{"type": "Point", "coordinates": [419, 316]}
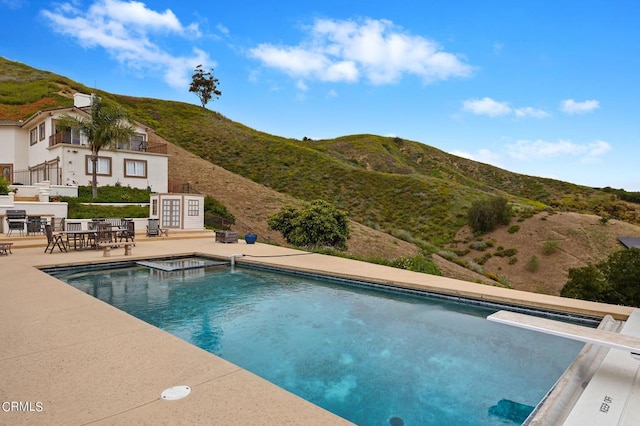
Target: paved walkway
{"type": "Point", "coordinates": [68, 358]}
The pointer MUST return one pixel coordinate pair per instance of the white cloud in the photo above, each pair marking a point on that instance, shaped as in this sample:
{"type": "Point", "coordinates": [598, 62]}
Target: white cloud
{"type": "Point", "coordinates": [570, 106]}
{"type": "Point", "coordinates": [492, 108]}
{"type": "Point", "coordinates": [224, 30]}
{"type": "Point", "coordinates": [530, 112]}
{"type": "Point", "coordinates": [538, 149]}
{"type": "Point", "coordinates": [125, 30]}
{"type": "Point", "coordinates": [377, 50]}
{"type": "Point", "coordinates": [486, 106]}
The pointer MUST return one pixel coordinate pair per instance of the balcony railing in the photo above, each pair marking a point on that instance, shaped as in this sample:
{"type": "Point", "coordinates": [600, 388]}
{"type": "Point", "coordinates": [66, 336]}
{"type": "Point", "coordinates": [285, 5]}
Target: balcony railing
{"type": "Point", "coordinates": [68, 138]}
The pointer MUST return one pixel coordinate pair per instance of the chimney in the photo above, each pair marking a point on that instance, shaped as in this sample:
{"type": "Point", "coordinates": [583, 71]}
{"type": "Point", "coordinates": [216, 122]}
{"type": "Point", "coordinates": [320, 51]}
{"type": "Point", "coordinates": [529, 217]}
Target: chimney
{"type": "Point", "coordinates": [81, 100]}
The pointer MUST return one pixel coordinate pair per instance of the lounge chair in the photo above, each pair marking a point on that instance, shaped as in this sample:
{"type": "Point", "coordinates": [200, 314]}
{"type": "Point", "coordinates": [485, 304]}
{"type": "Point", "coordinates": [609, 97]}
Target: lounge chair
{"type": "Point", "coordinates": [154, 230]}
{"type": "Point", "coordinates": [54, 240]}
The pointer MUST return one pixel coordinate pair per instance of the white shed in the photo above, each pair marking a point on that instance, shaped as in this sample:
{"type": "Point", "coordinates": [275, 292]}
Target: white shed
{"type": "Point", "coordinates": [178, 211]}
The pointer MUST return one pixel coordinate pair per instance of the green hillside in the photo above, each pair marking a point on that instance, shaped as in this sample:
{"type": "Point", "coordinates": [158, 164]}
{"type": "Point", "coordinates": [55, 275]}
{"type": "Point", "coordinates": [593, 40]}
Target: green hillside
{"type": "Point", "coordinates": [403, 187]}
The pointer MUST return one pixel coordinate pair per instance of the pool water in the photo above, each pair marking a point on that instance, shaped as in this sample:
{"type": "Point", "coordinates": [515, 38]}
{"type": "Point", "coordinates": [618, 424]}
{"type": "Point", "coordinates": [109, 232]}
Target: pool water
{"type": "Point", "coordinates": [372, 357]}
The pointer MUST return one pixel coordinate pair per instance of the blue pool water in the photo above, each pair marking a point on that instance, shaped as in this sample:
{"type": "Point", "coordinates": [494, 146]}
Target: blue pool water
{"type": "Point", "coordinates": [372, 357]}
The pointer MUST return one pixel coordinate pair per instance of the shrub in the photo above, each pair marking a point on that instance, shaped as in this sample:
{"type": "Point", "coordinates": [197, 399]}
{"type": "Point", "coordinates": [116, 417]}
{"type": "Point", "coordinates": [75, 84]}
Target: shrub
{"type": "Point", "coordinates": [513, 229]}
{"type": "Point", "coordinates": [482, 260]}
{"type": "Point", "coordinates": [513, 260]}
{"type": "Point", "coordinates": [549, 247]}
{"type": "Point", "coordinates": [534, 264]}
{"type": "Point", "coordinates": [317, 224]}
{"type": "Point", "coordinates": [479, 245]}
{"type": "Point", "coordinates": [419, 263]}
{"type": "Point", "coordinates": [486, 214]}
{"type": "Point", "coordinates": [4, 186]}
{"type": "Point", "coordinates": [506, 253]}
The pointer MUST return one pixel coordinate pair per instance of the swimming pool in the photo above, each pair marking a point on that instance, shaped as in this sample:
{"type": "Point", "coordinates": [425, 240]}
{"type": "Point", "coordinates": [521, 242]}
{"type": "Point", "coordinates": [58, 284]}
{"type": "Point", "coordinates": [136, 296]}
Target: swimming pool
{"type": "Point", "coordinates": [370, 356]}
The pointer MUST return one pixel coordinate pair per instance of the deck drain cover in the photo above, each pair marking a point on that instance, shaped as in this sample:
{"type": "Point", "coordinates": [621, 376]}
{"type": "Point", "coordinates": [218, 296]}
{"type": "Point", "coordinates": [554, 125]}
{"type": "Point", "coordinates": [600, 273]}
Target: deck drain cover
{"type": "Point", "coordinates": [176, 392]}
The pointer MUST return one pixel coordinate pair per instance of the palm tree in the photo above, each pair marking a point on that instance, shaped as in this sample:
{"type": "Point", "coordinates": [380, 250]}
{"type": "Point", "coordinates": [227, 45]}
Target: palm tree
{"type": "Point", "coordinates": [106, 125]}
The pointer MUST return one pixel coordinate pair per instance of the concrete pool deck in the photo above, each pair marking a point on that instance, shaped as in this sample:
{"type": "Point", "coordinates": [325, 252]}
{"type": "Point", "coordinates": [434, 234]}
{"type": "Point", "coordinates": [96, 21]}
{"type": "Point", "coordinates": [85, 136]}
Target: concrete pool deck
{"type": "Point", "coordinates": [68, 358]}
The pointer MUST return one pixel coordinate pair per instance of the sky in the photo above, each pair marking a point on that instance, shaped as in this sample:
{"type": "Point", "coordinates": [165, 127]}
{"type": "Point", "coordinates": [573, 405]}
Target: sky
{"type": "Point", "coordinates": [546, 88]}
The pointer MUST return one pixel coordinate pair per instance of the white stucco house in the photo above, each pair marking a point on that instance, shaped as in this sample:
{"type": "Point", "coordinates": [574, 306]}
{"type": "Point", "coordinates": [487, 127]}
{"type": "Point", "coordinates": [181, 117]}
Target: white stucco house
{"type": "Point", "coordinates": [34, 150]}
{"type": "Point", "coordinates": [41, 160]}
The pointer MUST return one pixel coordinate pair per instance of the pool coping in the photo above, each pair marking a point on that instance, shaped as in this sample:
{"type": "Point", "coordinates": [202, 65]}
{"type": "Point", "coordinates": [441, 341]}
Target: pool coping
{"type": "Point", "coordinates": [86, 361]}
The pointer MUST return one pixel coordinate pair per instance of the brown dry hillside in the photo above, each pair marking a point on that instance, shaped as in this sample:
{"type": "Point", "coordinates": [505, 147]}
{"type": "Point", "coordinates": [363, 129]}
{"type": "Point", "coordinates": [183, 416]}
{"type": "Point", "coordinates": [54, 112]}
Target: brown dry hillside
{"type": "Point", "coordinates": [579, 239]}
{"type": "Point", "coordinates": [251, 203]}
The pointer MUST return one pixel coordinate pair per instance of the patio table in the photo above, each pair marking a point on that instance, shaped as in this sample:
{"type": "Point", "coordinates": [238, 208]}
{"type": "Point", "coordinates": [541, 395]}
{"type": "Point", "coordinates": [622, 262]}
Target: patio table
{"type": "Point", "coordinates": [79, 238]}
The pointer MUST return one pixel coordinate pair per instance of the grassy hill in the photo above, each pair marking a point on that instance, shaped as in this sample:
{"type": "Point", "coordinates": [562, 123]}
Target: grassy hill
{"type": "Point", "coordinates": [403, 188]}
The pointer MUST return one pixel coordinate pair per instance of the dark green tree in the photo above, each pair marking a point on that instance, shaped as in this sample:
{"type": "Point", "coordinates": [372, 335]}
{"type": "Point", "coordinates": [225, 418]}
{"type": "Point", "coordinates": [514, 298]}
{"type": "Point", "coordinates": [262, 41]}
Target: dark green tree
{"type": "Point", "coordinates": [486, 214]}
{"type": "Point", "coordinates": [614, 280]}
{"type": "Point", "coordinates": [106, 125]}
{"type": "Point", "coordinates": [317, 224]}
{"type": "Point", "coordinates": [587, 283]}
{"type": "Point", "coordinates": [204, 85]}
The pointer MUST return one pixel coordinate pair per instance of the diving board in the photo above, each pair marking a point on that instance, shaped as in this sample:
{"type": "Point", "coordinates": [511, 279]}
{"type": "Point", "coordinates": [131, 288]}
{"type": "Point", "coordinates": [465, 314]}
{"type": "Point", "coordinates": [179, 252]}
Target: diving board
{"type": "Point", "coordinates": [581, 333]}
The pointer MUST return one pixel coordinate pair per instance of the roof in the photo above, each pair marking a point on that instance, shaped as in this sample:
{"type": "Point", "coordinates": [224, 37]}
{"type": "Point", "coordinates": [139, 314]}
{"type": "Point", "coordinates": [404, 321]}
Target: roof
{"type": "Point", "coordinates": [630, 242]}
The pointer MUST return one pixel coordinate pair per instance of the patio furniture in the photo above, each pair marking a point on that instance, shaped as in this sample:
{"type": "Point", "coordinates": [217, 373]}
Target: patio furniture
{"type": "Point", "coordinates": [35, 225]}
{"type": "Point", "coordinates": [73, 231]}
{"type": "Point", "coordinates": [128, 231]}
{"type": "Point", "coordinates": [16, 220]}
{"type": "Point", "coordinates": [106, 247]}
{"type": "Point", "coordinates": [226, 237]}
{"type": "Point", "coordinates": [104, 234]}
{"type": "Point", "coordinates": [54, 240]}
{"type": "Point", "coordinates": [5, 248]}
{"type": "Point", "coordinates": [154, 230]}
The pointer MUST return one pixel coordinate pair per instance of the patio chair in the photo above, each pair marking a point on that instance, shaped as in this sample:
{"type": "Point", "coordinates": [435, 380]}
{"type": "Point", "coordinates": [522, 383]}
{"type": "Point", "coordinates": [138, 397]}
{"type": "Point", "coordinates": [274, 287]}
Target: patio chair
{"type": "Point", "coordinates": [34, 225]}
{"type": "Point", "coordinates": [78, 240]}
{"type": "Point", "coordinates": [153, 228]}
{"type": "Point", "coordinates": [104, 233]}
{"type": "Point", "coordinates": [129, 233]}
{"type": "Point", "coordinates": [54, 240]}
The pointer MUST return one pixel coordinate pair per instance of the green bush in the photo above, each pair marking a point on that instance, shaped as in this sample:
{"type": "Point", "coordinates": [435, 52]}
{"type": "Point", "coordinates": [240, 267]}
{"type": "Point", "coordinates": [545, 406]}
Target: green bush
{"type": "Point", "coordinates": [113, 194]}
{"type": "Point", "coordinates": [506, 253]}
{"type": "Point", "coordinates": [513, 229]}
{"type": "Point", "coordinates": [485, 215]}
{"type": "Point", "coordinates": [317, 224]}
{"type": "Point", "coordinates": [216, 208]}
{"type": "Point", "coordinates": [534, 264]}
{"type": "Point", "coordinates": [4, 186]}
{"type": "Point", "coordinates": [419, 263]}
{"type": "Point", "coordinates": [614, 280]}
{"type": "Point", "coordinates": [89, 211]}
{"type": "Point", "coordinates": [482, 260]}
{"type": "Point", "coordinates": [549, 247]}
{"type": "Point", "coordinates": [479, 245]}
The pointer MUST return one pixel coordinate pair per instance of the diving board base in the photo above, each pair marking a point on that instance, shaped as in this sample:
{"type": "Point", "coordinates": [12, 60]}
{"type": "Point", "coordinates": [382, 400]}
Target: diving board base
{"type": "Point", "coordinates": [570, 331]}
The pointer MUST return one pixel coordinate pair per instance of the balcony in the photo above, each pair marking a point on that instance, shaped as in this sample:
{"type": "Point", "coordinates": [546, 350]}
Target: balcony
{"type": "Point", "coordinates": [132, 145]}
{"type": "Point", "coordinates": [65, 137]}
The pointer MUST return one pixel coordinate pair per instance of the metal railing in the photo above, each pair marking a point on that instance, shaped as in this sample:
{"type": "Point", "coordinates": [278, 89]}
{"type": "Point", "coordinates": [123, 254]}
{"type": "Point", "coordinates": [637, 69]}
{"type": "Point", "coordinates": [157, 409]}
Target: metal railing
{"type": "Point", "coordinates": [68, 138]}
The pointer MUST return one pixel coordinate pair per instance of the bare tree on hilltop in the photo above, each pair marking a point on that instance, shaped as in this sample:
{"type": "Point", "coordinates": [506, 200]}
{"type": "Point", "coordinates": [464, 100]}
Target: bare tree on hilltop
{"type": "Point", "coordinates": [204, 85]}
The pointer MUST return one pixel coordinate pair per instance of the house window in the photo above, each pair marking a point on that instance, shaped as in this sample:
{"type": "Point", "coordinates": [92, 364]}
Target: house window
{"type": "Point", "coordinates": [103, 166]}
{"type": "Point", "coordinates": [194, 207]}
{"type": "Point", "coordinates": [42, 131]}
{"type": "Point", "coordinates": [135, 168]}
{"type": "Point", "coordinates": [154, 207]}
{"type": "Point", "coordinates": [33, 136]}
{"type": "Point", "coordinates": [171, 213]}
